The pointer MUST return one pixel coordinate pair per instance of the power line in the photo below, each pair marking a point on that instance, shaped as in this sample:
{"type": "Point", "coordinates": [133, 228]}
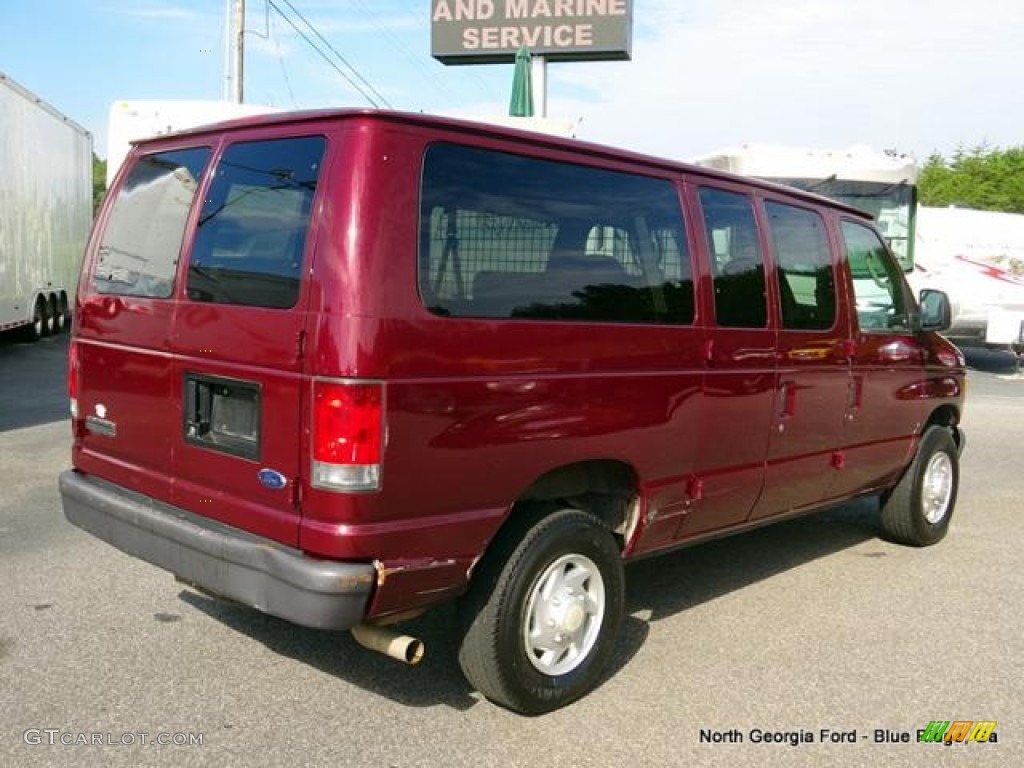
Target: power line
{"type": "Point", "coordinates": [469, 72]}
{"type": "Point", "coordinates": [357, 81]}
{"type": "Point", "coordinates": [280, 60]}
{"type": "Point", "coordinates": [343, 60]}
{"type": "Point", "coordinates": [415, 60]}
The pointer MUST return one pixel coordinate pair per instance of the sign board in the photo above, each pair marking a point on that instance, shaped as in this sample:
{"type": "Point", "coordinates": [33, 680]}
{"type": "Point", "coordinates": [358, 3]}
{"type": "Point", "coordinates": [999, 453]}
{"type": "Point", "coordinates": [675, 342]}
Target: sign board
{"type": "Point", "coordinates": [491, 31]}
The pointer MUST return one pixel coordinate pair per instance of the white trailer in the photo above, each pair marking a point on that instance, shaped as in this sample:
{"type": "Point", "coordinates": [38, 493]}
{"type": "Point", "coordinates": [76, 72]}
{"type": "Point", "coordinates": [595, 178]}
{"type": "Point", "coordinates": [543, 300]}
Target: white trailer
{"type": "Point", "coordinates": [882, 183]}
{"type": "Point", "coordinates": [977, 257]}
{"type": "Point", "coordinates": [45, 211]}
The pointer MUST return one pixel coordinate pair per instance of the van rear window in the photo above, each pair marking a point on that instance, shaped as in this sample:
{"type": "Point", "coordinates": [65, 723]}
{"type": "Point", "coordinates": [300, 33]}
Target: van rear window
{"type": "Point", "coordinates": [506, 236]}
{"type": "Point", "coordinates": [251, 235]}
{"type": "Point", "coordinates": [138, 255]}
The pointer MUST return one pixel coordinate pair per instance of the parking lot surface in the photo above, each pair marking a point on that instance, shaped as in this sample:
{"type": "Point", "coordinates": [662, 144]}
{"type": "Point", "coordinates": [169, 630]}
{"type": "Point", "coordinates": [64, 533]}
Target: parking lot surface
{"type": "Point", "coordinates": [776, 647]}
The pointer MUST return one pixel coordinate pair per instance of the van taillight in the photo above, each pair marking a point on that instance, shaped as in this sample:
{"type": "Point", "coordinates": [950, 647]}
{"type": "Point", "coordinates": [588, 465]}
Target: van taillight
{"type": "Point", "coordinates": [348, 427]}
{"type": "Point", "coordinates": [73, 378]}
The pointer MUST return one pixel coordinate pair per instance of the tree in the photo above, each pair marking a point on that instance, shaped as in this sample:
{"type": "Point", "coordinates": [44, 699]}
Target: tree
{"type": "Point", "coordinates": [99, 182]}
{"type": "Point", "coordinates": [989, 179]}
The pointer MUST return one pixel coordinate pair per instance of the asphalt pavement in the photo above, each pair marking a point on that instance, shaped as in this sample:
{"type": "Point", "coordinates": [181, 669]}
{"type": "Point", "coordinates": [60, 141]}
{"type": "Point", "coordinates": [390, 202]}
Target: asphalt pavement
{"type": "Point", "coordinates": [806, 630]}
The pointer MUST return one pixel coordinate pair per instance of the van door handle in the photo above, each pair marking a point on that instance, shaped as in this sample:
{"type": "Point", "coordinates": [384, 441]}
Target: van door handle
{"type": "Point", "coordinates": [787, 400]}
{"type": "Point", "coordinates": [855, 395]}
{"type": "Point", "coordinates": [709, 351]}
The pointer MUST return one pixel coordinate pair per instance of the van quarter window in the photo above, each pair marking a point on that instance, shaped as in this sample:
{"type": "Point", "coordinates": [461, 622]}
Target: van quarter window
{"type": "Point", "coordinates": [736, 262]}
{"type": "Point", "coordinates": [252, 230]}
{"type": "Point", "coordinates": [881, 299]}
{"type": "Point", "coordinates": [807, 285]}
{"type": "Point", "coordinates": [142, 239]}
{"type": "Point", "coordinates": [504, 236]}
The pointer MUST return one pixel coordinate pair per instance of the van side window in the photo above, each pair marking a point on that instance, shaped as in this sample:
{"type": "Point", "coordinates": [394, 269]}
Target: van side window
{"type": "Point", "coordinates": [252, 229]}
{"type": "Point", "coordinates": [882, 303]}
{"type": "Point", "coordinates": [737, 265]}
{"type": "Point", "coordinates": [803, 260]}
{"type": "Point", "coordinates": [505, 236]}
{"type": "Point", "coordinates": [142, 239]}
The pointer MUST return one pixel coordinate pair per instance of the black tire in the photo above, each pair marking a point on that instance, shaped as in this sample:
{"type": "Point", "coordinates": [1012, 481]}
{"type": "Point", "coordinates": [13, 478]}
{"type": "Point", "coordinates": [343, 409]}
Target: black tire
{"type": "Point", "coordinates": [48, 323]}
{"type": "Point", "coordinates": [496, 653]}
{"type": "Point", "coordinates": [58, 314]}
{"type": "Point", "coordinates": [35, 330]}
{"type": "Point", "coordinates": [918, 510]}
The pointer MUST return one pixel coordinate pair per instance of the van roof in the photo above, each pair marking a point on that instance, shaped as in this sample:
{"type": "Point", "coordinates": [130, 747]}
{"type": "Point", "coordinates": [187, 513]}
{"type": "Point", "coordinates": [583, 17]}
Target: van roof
{"type": "Point", "coordinates": [497, 131]}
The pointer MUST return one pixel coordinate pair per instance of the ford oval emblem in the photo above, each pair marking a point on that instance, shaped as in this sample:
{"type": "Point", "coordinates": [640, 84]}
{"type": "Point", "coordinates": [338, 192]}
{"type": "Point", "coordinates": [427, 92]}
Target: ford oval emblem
{"type": "Point", "coordinates": [270, 478]}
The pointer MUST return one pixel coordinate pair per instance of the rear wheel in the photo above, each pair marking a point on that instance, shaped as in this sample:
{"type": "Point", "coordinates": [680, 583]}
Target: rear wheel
{"type": "Point", "coordinates": [38, 327]}
{"type": "Point", "coordinates": [918, 510]}
{"type": "Point", "coordinates": [58, 314]}
{"type": "Point", "coordinates": [48, 322]}
{"type": "Point", "coordinates": [541, 618]}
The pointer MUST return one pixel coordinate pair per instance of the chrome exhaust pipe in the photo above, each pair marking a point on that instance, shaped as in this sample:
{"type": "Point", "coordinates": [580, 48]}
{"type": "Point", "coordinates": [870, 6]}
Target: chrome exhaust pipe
{"type": "Point", "coordinates": [406, 649]}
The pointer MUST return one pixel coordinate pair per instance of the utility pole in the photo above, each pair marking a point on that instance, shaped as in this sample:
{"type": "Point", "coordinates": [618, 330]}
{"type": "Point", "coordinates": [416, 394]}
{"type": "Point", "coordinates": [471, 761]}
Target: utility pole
{"type": "Point", "coordinates": [239, 28]}
{"type": "Point", "coordinates": [228, 44]}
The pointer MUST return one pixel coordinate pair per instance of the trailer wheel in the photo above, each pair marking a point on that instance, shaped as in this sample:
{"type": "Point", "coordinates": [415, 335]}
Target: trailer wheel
{"type": "Point", "coordinates": [47, 316]}
{"type": "Point", "coordinates": [35, 330]}
{"type": "Point", "coordinates": [918, 510]}
{"type": "Point", "coordinates": [541, 619]}
{"type": "Point", "coordinates": [58, 319]}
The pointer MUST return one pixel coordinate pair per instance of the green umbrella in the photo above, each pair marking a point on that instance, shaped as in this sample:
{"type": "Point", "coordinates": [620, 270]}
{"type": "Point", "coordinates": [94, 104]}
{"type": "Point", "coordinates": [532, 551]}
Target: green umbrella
{"type": "Point", "coordinates": [521, 103]}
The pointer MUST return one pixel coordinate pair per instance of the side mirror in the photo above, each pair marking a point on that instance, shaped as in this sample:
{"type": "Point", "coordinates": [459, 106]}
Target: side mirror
{"type": "Point", "coordinates": [936, 313]}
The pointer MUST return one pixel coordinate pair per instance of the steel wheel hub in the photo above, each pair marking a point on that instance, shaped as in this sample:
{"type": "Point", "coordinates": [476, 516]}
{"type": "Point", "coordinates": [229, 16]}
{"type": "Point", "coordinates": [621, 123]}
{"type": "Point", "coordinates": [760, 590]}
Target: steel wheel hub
{"type": "Point", "coordinates": [564, 615]}
{"type": "Point", "coordinates": [937, 488]}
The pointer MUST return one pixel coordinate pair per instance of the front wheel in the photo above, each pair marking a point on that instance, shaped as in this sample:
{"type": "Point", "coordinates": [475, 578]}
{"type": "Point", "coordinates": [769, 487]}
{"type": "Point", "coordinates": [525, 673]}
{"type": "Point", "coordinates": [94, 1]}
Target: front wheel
{"type": "Point", "coordinates": [541, 618]}
{"type": "Point", "coordinates": [918, 510]}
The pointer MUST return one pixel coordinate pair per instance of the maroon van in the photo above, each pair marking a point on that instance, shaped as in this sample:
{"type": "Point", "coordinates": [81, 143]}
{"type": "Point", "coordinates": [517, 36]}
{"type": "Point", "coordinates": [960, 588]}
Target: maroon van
{"type": "Point", "coordinates": [345, 366]}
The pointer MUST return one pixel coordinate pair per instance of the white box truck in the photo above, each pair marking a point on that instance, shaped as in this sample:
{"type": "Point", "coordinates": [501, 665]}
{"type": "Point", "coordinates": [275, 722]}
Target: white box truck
{"type": "Point", "coordinates": [45, 211]}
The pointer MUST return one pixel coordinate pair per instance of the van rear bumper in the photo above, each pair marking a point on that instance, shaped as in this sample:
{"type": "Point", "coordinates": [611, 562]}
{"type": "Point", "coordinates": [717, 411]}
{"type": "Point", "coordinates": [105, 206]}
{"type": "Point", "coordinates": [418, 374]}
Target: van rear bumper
{"type": "Point", "coordinates": [214, 557]}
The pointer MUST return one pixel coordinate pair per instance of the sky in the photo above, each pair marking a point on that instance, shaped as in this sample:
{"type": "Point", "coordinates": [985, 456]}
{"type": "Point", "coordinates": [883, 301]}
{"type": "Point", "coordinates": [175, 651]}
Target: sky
{"type": "Point", "coordinates": [918, 76]}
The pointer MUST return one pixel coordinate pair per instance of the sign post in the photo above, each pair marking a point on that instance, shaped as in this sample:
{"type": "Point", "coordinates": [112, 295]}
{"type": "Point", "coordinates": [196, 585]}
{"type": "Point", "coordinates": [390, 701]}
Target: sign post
{"type": "Point", "coordinates": [540, 85]}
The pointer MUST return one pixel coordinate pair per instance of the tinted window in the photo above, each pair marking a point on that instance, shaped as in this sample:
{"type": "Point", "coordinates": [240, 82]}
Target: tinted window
{"type": "Point", "coordinates": [878, 286]}
{"type": "Point", "coordinates": [252, 229]}
{"type": "Point", "coordinates": [138, 255]}
{"type": "Point", "coordinates": [803, 260]}
{"type": "Point", "coordinates": [510, 236]}
{"type": "Point", "coordinates": [890, 204]}
{"type": "Point", "coordinates": [736, 261]}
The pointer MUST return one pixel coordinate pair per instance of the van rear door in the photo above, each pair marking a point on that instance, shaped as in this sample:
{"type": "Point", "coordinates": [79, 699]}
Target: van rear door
{"type": "Point", "coordinates": [125, 312]}
{"type": "Point", "coordinates": [238, 338]}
